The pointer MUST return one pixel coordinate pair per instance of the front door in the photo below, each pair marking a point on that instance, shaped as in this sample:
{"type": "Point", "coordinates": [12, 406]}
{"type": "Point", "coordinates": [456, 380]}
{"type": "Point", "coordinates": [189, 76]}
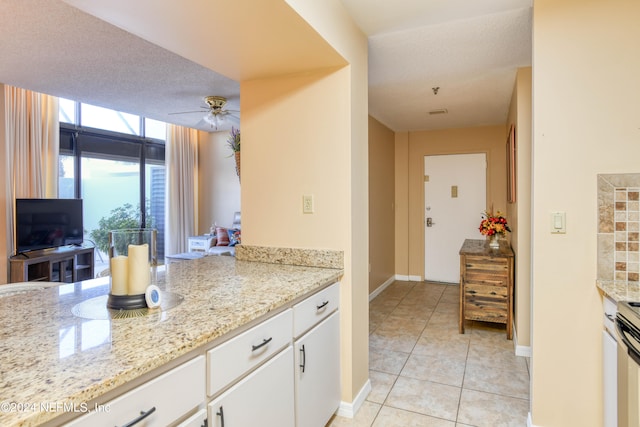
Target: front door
{"type": "Point", "coordinates": [454, 199]}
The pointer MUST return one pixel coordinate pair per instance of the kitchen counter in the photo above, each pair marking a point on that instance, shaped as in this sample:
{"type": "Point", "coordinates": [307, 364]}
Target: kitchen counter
{"type": "Point", "coordinates": [53, 361]}
{"type": "Point", "coordinates": [619, 290]}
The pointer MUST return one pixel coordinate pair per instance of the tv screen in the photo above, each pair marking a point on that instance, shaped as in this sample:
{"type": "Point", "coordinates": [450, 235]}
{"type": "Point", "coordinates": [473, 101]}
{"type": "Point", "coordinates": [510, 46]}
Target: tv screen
{"type": "Point", "coordinates": [48, 223]}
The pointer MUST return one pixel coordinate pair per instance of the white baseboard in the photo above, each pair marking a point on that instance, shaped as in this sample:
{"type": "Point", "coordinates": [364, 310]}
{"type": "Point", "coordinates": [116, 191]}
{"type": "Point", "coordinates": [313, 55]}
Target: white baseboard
{"type": "Point", "coordinates": [349, 410]}
{"type": "Point", "coordinates": [405, 278]}
{"type": "Point", "coordinates": [381, 288]}
{"type": "Point", "coordinates": [521, 350]}
{"type": "Point", "coordinates": [529, 422]}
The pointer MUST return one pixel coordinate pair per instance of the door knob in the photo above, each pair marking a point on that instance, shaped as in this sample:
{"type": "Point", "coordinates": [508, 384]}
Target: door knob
{"type": "Point", "coordinates": [430, 222]}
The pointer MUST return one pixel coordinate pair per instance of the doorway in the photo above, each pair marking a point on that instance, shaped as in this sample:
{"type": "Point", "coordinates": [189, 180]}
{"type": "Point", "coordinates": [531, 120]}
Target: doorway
{"type": "Point", "coordinates": [455, 195]}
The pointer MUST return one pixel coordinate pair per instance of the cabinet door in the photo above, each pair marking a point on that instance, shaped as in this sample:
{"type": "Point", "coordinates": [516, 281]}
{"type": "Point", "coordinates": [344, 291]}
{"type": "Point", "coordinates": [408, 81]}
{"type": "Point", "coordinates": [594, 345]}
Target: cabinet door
{"type": "Point", "coordinates": [317, 377]}
{"type": "Point", "coordinates": [263, 398]}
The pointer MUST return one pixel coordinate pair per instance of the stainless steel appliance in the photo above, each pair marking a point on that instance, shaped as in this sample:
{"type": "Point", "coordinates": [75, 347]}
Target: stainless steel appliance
{"type": "Point", "coordinates": [628, 331]}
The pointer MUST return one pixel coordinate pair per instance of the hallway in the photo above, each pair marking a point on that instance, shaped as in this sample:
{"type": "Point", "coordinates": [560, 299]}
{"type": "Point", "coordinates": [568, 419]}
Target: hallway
{"type": "Point", "coordinates": [424, 373]}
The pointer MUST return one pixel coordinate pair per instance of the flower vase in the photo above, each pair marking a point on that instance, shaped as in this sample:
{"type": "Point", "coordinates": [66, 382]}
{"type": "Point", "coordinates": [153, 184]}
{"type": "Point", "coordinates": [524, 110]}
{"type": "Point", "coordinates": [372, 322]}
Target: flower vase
{"type": "Point", "coordinates": [237, 156]}
{"type": "Point", "coordinates": [494, 243]}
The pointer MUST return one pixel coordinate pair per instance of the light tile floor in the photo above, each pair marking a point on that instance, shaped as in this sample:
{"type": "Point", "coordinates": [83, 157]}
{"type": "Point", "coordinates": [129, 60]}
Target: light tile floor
{"type": "Point", "coordinates": [424, 373]}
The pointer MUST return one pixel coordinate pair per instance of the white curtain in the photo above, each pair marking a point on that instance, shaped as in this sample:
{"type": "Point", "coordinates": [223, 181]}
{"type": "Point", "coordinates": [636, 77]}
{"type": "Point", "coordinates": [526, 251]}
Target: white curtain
{"type": "Point", "coordinates": [32, 137]}
{"type": "Point", "coordinates": [181, 162]}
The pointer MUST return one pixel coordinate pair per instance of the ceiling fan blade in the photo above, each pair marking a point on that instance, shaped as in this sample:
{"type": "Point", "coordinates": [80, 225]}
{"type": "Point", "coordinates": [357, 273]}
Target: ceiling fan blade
{"type": "Point", "coordinates": [188, 112]}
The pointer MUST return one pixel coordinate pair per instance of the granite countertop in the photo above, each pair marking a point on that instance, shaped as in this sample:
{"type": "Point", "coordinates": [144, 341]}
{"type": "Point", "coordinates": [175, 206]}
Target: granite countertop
{"type": "Point", "coordinates": [56, 349]}
{"type": "Point", "coordinates": [620, 290]}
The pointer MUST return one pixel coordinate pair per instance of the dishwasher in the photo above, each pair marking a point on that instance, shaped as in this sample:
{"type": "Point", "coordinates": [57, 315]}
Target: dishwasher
{"type": "Point", "coordinates": [628, 334]}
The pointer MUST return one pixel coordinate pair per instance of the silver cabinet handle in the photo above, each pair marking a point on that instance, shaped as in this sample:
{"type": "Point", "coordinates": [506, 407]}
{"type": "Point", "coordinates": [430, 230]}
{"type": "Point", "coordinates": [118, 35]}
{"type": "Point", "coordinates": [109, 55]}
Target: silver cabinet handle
{"type": "Point", "coordinates": [142, 416]}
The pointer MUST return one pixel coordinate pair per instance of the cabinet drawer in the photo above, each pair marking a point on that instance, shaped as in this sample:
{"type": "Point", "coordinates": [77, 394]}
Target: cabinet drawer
{"type": "Point", "coordinates": [315, 308]}
{"type": "Point", "coordinates": [487, 303]}
{"type": "Point", "coordinates": [486, 313]}
{"type": "Point", "coordinates": [232, 359]}
{"type": "Point", "coordinates": [172, 394]}
{"type": "Point", "coordinates": [263, 398]}
{"type": "Point", "coordinates": [486, 265]}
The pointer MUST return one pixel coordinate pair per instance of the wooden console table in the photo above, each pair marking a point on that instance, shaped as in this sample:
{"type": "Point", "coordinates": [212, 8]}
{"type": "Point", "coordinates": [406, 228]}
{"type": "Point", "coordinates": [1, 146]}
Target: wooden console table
{"type": "Point", "coordinates": [63, 264]}
{"type": "Point", "coordinates": [486, 283]}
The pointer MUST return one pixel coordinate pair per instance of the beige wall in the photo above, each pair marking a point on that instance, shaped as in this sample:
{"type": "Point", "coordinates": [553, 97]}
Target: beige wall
{"type": "Point", "coordinates": [218, 184]}
{"type": "Point", "coordinates": [586, 99]}
{"type": "Point", "coordinates": [401, 159]}
{"type": "Point", "coordinates": [4, 273]}
{"type": "Point", "coordinates": [304, 127]}
{"type": "Point", "coordinates": [519, 213]}
{"type": "Point", "coordinates": [381, 204]}
{"type": "Point", "coordinates": [410, 150]}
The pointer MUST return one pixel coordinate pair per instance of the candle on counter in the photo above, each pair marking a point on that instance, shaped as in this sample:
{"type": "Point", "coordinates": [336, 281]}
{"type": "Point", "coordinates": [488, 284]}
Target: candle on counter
{"type": "Point", "coordinates": [139, 269]}
{"type": "Point", "coordinates": [119, 275]}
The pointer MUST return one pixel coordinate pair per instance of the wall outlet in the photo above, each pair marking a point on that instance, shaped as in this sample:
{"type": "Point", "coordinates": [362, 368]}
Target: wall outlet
{"type": "Point", "coordinates": [307, 204]}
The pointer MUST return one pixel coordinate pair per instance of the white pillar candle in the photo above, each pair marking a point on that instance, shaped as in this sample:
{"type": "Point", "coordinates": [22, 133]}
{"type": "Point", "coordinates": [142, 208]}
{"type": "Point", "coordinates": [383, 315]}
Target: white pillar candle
{"type": "Point", "coordinates": [119, 275]}
{"type": "Point", "coordinates": [139, 269]}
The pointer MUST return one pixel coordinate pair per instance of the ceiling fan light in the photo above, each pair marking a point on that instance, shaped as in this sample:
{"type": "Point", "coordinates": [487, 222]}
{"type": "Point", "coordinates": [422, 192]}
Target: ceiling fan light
{"type": "Point", "coordinates": [214, 119]}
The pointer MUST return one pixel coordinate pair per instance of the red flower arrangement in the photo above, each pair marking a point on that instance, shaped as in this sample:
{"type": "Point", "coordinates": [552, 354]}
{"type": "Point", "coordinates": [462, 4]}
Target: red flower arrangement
{"type": "Point", "coordinates": [493, 224]}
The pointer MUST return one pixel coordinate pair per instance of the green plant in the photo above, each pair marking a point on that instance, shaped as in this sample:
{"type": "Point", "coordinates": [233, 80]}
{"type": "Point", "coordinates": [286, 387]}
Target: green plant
{"type": "Point", "coordinates": [122, 217]}
{"type": "Point", "coordinates": [234, 140]}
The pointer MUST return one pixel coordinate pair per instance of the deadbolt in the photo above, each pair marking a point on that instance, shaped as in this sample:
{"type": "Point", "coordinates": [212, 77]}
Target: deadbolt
{"type": "Point", "coordinates": [430, 222]}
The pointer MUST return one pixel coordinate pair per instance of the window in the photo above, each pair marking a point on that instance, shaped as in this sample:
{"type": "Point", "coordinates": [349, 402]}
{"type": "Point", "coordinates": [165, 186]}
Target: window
{"type": "Point", "coordinates": [115, 162]}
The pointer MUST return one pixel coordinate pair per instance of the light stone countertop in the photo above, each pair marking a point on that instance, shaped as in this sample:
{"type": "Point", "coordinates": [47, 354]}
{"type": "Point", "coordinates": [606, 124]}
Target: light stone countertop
{"type": "Point", "coordinates": [50, 355]}
{"type": "Point", "coordinates": [619, 290]}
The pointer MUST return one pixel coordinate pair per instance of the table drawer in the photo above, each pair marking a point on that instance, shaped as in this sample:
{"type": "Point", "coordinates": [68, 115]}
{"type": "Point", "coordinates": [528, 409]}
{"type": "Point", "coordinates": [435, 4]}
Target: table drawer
{"type": "Point", "coordinates": [315, 308]}
{"type": "Point", "coordinates": [487, 265]}
{"type": "Point", "coordinates": [487, 303]}
{"type": "Point", "coordinates": [232, 359]}
{"type": "Point", "coordinates": [486, 313]}
{"type": "Point", "coordinates": [486, 280]}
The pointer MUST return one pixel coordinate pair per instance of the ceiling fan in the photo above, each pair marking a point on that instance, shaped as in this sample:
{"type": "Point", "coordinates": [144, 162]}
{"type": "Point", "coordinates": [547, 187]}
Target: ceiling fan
{"type": "Point", "coordinates": [216, 114]}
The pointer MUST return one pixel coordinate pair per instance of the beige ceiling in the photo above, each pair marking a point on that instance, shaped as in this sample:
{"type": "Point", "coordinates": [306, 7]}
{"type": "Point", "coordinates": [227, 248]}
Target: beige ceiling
{"type": "Point", "coordinates": [470, 49]}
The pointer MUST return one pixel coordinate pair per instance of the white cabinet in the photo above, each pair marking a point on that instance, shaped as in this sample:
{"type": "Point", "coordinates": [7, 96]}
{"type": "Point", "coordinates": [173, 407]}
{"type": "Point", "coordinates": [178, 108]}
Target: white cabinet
{"type": "Point", "coordinates": [263, 398]}
{"type": "Point", "coordinates": [317, 377]}
{"type": "Point", "coordinates": [232, 359]}
{"type": "Point", "coordinates": [199, 419]}
{"type": "Point", "coordinates": [610, 364]}
{"type": "Point", "coordinates": [316, 326]}
{"type": "Point", "coordinates": [165, 399]}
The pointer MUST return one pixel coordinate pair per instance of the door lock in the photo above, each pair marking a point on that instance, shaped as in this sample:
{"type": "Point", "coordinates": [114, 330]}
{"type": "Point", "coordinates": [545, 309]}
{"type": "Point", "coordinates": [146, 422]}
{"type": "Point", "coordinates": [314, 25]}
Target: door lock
{"type": "Point", "coordinates": [430, 222]}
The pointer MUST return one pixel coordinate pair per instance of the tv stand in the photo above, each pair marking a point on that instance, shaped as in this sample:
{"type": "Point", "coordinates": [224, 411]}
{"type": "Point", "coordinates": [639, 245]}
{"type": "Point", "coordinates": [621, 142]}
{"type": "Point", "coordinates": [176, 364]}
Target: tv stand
{"type": "Point", "coordinates": [64, 264]}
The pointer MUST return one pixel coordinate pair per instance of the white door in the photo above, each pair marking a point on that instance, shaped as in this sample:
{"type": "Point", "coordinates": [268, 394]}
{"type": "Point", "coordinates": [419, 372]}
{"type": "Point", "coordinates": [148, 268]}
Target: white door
{"type": "Point", "coordinates": [454, 198]}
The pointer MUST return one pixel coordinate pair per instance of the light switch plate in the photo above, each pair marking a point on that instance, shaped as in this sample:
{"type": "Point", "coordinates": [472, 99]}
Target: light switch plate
{"type": "Point", "coordinates": [558, 222]}
{"type": "Point", "coordinates": [307, 204]}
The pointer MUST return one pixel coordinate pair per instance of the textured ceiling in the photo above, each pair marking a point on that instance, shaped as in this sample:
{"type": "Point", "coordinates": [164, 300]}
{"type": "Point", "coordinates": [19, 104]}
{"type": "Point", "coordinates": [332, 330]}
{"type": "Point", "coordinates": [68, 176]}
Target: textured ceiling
{"type": "Point", "coordinates": [51, 47]}
{"type": "Point", "coordinates": [470, 49]}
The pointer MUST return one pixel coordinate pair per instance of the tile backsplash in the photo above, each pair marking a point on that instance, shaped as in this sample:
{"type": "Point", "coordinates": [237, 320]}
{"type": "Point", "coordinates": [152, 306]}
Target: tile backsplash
{"type": "Point", "coordinates": [619, 227]}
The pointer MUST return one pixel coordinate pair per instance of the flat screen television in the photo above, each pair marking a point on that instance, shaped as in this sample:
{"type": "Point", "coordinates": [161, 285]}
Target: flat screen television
{"type": "Point", "coordinates": [48, 223]}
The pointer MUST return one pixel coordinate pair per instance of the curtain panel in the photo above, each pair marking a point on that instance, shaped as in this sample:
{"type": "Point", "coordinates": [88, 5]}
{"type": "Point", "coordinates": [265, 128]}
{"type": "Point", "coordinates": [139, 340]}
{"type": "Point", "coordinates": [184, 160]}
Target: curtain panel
{"type": "Point", "coordinates": [181, 163]}
{"type": "Point", "coordinates": [32, 136]}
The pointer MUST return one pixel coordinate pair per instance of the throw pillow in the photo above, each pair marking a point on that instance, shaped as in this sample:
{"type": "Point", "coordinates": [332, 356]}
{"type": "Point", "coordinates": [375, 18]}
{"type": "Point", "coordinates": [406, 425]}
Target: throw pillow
{"type": "Point", "coordinates": [234, 236]}
{"type": "Point", "coordinates": [222, 236]}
